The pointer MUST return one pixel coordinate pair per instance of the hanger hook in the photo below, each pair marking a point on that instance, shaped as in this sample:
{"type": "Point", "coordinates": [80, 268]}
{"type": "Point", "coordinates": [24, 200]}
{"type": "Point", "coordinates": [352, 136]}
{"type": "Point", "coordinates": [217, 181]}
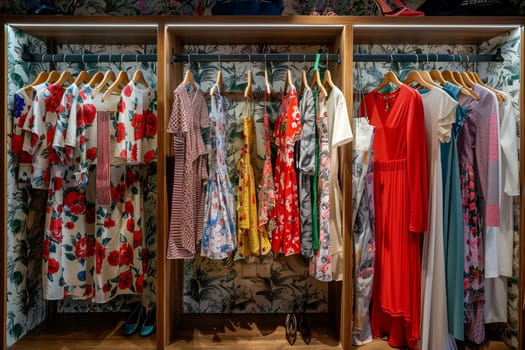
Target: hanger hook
{"type": "Point", "coordinates": [189, 61]}
{"type": "Point", "coordinates": [220, 63]}
{"type": "Point", "coordinates": [391, 59]}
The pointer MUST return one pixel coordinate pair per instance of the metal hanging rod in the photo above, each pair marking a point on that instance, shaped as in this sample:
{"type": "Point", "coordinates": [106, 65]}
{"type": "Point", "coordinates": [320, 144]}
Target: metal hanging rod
{"type": "Point", "coordinates": [89, 58]}
{"type": "Point", "coordinates": [458, 58]}
{"type": "Point", "coordinates": [254, 57]}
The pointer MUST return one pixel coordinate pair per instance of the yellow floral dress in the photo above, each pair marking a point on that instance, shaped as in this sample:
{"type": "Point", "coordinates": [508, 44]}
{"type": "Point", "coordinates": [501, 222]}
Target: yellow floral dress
{"type": "Point", "coordinates": [250, 242]}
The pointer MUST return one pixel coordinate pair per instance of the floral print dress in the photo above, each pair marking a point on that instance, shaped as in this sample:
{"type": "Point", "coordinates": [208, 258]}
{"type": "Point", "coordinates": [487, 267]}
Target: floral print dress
{"type": "Point", "coordinates": [252, 242]}
{"type": "Point", "coordinates": [321, 264]}
{"type": "Point", "coordinates": [286, 237]}
{"type": "Point", "coordinates": [266, 187]}
{"type": "Point", "coordinates": [219, 236]}
{"type": "Point", "coordinates": [94, 250]}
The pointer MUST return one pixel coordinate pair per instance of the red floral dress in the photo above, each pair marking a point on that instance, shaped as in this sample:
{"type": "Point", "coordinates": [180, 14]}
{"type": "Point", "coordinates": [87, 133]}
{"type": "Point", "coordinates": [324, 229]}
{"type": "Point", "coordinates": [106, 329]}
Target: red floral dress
{"type": "Point", "coordinates": [287, 131]}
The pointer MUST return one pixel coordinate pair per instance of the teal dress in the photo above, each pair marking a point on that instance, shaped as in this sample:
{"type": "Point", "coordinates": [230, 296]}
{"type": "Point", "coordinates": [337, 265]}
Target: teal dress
{"type": "Point", "coordinates": [453, 224]}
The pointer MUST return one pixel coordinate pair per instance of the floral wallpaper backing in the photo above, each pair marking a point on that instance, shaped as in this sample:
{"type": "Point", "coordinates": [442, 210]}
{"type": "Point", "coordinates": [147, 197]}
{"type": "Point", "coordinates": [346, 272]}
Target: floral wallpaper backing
{"type": "Point", "coordinates": [25, 308]}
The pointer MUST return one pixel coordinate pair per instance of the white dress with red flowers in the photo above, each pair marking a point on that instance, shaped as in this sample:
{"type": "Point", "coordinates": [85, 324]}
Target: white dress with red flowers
{"type": "Point", "coordinates": [137, 125]}
{"type": "Point", "coordinates": [93, 250]}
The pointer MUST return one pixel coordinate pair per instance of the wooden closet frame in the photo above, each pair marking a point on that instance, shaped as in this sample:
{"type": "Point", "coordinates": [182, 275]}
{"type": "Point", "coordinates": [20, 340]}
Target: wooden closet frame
{"type": "Point", "coordinates": [339, 33]}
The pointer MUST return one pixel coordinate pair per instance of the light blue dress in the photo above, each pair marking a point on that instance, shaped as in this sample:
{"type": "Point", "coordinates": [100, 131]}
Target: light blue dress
{"type": "Point", "coordinates": [453, 224]}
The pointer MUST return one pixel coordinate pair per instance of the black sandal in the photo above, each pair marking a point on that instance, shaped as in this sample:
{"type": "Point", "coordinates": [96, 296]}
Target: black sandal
{"type": "Point", "coordinates": [306, 331]}
{"type": "Point", "coordinates": [291, 328]}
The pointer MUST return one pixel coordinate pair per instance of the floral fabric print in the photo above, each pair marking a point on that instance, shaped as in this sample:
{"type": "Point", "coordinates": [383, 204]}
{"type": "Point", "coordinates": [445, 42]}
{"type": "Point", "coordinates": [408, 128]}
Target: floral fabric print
{"type": "Point", "coordinates": [267, 186]}
{"type": "Point", "coordinates": [287, 131]}
{"type": "Point", "coordinates": [23, 109]}
{"type": "Point", "coordinates": [137, 125]}
{"type": "Point", "coordinates": [321, 266]}
{"type": "Point", "coordinates": [219, 236]}
{"type": "Point", "coordinates": [40, 131]}
{"type": "Point", "coordinates": [474, 274]}
{"type": "Point", "coordinates": [251, 242]}
{"type": "Point", "coordinates": [91, 251]}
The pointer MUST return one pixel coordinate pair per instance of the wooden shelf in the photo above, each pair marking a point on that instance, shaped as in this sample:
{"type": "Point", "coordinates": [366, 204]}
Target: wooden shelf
{"type": "Point", "coordinates": [88, 30]}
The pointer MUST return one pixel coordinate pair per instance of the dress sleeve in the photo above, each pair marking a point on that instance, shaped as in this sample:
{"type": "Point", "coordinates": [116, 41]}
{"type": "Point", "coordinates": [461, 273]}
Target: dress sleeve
{"type": "Point", "coordinates": [342, 132]}
{"type": "Point", "coordinates": [509, 149]}
{"type": "Point", "coordinates": [417, 167]}
{"type": "Point", "coordinates": [178, 122]}
{"type": "Point", "coordinates": [487, 153]}
{"type": "Point", "coordinates": [447, 118]}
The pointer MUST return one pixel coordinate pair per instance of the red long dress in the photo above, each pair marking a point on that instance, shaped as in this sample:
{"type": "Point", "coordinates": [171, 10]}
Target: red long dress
{"type": "Point", "coordinates": [401, 204]}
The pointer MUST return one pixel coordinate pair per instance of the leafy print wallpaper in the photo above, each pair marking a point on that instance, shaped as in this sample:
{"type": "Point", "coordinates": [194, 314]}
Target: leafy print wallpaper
{"type": "Point", "coordinates": [25, 308]}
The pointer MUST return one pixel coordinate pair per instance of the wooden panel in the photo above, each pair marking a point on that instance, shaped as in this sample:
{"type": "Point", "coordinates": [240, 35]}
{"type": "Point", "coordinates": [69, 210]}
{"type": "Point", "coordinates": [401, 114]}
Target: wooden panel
{"type": "Point", "coordinates": [431, 30]}
{"type": "Point", "coordinates": [521, 280]}
{"type": "Point", "coordinates": [88, 30]}
{"type": "Point", "coordinates": [3, 178]}
{"type": "Point", "coordinates": [344, 71]}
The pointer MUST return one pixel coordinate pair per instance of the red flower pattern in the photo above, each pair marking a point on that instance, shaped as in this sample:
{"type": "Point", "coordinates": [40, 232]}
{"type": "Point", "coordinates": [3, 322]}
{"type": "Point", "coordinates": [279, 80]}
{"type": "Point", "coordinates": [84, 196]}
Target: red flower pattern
{"type": "Point", "coordinates": [52, 266]}
{"type": "Point", "coordinates": [124, 280]}
{"type": "Point", "coordinates": [126, 254]}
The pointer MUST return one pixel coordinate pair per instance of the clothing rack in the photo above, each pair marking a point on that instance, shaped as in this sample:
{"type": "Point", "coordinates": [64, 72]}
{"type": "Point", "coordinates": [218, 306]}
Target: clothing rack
{"type": "Point", "coordinates": [431, 57]}
{"type": "Point", "coordinates": [88, 58]}
{"type": "Point", "coordinates": [255, 57]}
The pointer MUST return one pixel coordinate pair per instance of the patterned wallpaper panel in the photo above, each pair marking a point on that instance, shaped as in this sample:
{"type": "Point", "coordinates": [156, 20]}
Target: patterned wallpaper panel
{"type": "Point", "coordinates": [25, 209]}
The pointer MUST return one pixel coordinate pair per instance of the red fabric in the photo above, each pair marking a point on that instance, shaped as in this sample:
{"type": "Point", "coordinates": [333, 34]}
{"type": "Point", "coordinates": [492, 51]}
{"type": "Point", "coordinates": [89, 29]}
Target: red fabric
{"type": "Point", "coordinates": [401, 204]}
{"type": "Point", "coordinates": [286, 236]}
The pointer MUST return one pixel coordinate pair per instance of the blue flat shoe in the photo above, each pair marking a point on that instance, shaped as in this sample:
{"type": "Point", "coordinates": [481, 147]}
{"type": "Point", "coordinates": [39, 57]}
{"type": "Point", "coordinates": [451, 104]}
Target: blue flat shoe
{"type": "Point", "coordinates": [135, 319]}
{"type": "Point", "coordinates": [148, 327]}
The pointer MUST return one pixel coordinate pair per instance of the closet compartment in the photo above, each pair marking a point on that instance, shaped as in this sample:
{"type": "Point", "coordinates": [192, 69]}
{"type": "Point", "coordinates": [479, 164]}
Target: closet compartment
{"type": "Point", "coordinates": [187, 36]}
{"type": "Point", "coordinates": [402, 45]}
{"type": "Point", "coordinates": [27, 315]}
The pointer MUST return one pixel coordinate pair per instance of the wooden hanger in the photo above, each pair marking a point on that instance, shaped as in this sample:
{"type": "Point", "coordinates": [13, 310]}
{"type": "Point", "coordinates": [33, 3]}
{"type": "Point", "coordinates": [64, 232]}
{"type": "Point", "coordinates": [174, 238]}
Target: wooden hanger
{"type": "Point", "coordinates": [415, 77]}
{"type": "Point", "coordinates": [459, 78]}
{"type": "Point", "coordinates": [64, 78]}
{"type": "Point", "coordinates": [108, 77]}
{"type": "Point", "coordinates": [267, 81]}
{"type": "Point", "coordinates": [40, 78]}
{"type": "Point", "coordinates": [218, 83]}
{"type": "Point", "coordinates": [327, 80]}
{"type": "Point", "coordinates": [118, 84]}
{"type": "Point", "coordinates": [447, 74]}
{"type": "Point", "coordinates": [436, 75]}
{"type": "Point", "coordinates": [82, 77]}
{"type": "Point", "coordinates": [288, 82]}
{"type": "Point", "coordinates": [316, 81]}
{"type": "Point", "coordinates": [467, 79]}
{"type": "Point", "coordinates": [475, 77]}
{"type": "Point", "coordinates": [304, 82]}
{"type": "Point", "coordinates": [428, 78]}
{"type": "Point", "coordinates": [188, 79]}
{"type": "Point", "coordinates": [138, 77]}
{"type": "Point", "coordinates": [388, 78]}
{"type": "Point", "coordinates": [248, 91]}
{"type": "Point", "coordinates": [52, 77]}
{"type": "Point", "coordinates": [95, 79]}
